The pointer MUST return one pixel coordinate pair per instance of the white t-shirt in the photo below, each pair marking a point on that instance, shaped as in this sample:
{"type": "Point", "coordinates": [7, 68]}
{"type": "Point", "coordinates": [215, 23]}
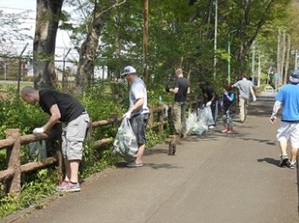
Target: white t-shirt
{"type": "Point", "coordinates": [137, 91]}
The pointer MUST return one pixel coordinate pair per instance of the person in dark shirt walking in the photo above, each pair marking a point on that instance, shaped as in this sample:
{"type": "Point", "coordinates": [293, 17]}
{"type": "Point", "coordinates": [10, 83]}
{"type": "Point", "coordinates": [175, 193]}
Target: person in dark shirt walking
{"type": "Point", "coordinates": [68, 110]}
{"type": "Point", "coordinates": [180, 91]}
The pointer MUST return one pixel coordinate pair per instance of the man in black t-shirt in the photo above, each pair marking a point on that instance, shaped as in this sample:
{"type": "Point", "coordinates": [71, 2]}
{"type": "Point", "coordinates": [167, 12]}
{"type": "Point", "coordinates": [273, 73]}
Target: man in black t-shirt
{"type": "Point", "coordinates": [180, 91]}
{"type": "Point", "coordinates": [68, 110]}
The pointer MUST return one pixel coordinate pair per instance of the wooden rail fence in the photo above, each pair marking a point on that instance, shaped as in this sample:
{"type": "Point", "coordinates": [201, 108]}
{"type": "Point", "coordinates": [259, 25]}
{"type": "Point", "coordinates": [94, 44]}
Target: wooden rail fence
{"type": "Point", "coordinates": [14, 142]}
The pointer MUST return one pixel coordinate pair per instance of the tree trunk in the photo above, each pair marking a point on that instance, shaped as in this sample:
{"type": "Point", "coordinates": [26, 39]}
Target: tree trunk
{"type": "Point", "coordinates": [90, 45]}
{"type": "Point", "coordinates": [47, 18]}
{"type": "Point", "coordinates": [278, 58]}
{"type": "Point", "coordinates": [288, 52]}
{"type": "Point", "coordinates": [145, 40]}
{"type": "Point", "coordinates": [283, 56]}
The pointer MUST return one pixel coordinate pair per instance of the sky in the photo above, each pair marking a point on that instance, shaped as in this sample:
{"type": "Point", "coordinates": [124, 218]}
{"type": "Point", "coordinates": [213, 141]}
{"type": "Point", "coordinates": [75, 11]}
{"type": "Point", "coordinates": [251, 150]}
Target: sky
{"type": "Point", "coordinates": [17, 6]}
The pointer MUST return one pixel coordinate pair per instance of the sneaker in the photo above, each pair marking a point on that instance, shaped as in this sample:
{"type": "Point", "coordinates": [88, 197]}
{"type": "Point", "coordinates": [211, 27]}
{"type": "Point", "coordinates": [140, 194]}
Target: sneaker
{"type": "Point", "coordinates": [134, 164]}
{"type": "Point", "coordinates": [291, 165]}
{"type": "Point", "coordinates": [68, 187]}
{"type": "Point", "coordinates": [211, 127]}
{"type": "Point", "coordinates": [62, 185]}
{"type": "Point", "coordinates": [283, 160]}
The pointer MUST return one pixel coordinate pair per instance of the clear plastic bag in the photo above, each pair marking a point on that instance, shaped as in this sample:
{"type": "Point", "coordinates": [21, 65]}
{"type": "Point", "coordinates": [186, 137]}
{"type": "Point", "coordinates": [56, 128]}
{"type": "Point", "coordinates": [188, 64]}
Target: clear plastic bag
{"type": "Point", "coordinates": [38, 150]}
{"type": "Point", "coordinates": [125, 142]}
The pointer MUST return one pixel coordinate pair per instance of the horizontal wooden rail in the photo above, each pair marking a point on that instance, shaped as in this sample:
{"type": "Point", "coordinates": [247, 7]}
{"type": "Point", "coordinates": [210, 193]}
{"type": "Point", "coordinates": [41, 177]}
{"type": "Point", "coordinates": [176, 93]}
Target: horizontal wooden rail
{"type": "Point", "coordinates": [14, 141]}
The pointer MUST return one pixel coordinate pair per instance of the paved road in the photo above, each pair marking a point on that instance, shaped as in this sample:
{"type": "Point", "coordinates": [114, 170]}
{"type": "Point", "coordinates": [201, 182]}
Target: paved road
{"type": "Point", "coordinates": [213, 178]}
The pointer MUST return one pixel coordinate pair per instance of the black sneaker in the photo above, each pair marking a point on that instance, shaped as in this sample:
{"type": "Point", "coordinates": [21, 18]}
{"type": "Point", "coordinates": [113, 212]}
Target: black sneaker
{"type": "Point", "coordinates": [284, 160]}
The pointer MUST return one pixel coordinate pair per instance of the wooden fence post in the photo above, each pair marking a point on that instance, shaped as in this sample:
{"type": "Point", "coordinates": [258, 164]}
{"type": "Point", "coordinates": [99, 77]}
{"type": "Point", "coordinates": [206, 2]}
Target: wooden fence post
{"type": "Point", "coordinates": [14, 161]}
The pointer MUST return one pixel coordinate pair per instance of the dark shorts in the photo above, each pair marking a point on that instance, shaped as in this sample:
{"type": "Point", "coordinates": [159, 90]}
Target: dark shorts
{"type": "Point", "coordinates": [138, 123]}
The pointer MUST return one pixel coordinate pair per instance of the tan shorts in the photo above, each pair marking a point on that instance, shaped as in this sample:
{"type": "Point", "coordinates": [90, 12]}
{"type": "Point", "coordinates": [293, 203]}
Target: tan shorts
{"type": "Point", "coordinates": [73, 136]}
{"type": "Point", "coordinates": [289, 131]}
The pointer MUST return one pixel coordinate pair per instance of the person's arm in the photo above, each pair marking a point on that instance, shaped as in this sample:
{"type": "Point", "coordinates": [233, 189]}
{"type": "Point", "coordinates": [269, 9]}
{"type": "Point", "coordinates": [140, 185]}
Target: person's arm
{"type": "Point", "coordinates": [54, 117]}
{"type": "Point", "coordinates": [276, 107]}
{"type": "Point", "coordinates": [139, 103]}
{"type": "Point", "coordinates": [252, 93]}
{"type": "Point", "coordinates": [174, 90]}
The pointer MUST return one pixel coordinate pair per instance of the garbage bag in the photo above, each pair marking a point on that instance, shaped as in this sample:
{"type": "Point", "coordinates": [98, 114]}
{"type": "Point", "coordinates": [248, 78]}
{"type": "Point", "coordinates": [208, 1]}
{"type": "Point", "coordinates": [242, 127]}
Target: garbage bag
{"type": "Point", "coordinates": [125, 142]}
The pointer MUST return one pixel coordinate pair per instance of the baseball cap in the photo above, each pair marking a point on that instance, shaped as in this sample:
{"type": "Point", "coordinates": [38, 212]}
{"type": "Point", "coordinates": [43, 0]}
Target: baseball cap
{"type": "Point", "coordinates": [128, 70]}
{"type": "Point", "coordinates": [294, 78]}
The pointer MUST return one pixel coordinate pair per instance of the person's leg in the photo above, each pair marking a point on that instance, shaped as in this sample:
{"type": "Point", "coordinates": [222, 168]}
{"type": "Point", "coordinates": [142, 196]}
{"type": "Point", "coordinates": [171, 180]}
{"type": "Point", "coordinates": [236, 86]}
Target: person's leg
{"type": "Point", "coordinates": [283, 135]}
{"type": "Point", "coordinates": [183, 120]}
{"type": "Point", "coordinates": [140, 153]}
{"type": "Point", "coordinates": [72, 170]}
{"type": "Point", "coordinates": [177, 118]}
{"type": "Point", "coordinates": [295, 144]}
{"type": "Point", "coordinates": [225, 122]}
{"type": "Point", "coordinates": [242, 109]}
{"type": "Point", "coordinates": [139, 124]}
{"type": "Point", "coordinates": [294, 153]}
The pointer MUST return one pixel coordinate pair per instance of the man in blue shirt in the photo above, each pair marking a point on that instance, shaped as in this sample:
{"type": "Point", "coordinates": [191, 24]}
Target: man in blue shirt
{"type": "Point", "coordinates": [288, 99]}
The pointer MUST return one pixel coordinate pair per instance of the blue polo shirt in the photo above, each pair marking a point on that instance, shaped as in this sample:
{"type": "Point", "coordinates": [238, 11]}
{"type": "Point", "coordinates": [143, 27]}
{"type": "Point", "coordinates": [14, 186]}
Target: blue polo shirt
{"type": "Point", "coordinates": [289, 97]}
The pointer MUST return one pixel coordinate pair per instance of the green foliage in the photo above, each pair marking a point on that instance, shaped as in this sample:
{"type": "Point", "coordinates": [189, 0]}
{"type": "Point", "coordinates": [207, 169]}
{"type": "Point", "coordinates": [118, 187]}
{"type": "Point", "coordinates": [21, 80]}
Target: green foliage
{"type": "Point", "coordinates": [15, 113]}
{"type": "Point", "coordinates": [33, 192]}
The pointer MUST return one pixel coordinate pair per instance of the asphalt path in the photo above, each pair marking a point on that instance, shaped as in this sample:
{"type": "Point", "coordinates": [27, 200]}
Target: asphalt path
{"type": "Point", "coordinates": [213, 178]}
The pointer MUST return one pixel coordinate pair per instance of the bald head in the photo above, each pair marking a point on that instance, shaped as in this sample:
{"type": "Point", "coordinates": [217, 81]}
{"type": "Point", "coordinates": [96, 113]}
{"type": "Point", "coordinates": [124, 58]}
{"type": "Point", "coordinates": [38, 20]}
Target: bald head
{"type": "Point", "coordinates": [30, 95]}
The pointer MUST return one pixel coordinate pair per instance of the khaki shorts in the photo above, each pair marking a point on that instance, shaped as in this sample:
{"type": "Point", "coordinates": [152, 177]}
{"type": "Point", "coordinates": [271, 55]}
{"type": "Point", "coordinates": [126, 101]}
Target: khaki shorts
{"type": "Point", "coordinates": [289, 131]}
{"type": "Point", "coordinates": [73, 136]}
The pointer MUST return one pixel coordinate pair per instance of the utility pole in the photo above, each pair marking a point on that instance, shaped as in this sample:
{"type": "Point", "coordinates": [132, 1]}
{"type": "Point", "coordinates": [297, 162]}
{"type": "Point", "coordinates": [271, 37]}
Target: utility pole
{"type": "Point", "coordinates": [215, 37]}
{"type": "Point", "coordinates": [145, 39]}
{"type": "Point", "coordinates": [253, 62]}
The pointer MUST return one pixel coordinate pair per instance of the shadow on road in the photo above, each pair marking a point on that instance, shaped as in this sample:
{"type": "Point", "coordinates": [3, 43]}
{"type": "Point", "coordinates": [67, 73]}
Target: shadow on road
{"type": "Point", "coordinates": [269, 160]}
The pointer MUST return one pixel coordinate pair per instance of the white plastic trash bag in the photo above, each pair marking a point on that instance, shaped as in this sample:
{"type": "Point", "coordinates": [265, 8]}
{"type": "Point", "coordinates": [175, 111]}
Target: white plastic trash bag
{"type": "Point", "coordinates": [125, 142]}
{"type": "Point", "coordinates": [192, 118]}
{"type": "Point", "coordinates": [208, 115]}
{"type": "Point", "coordinates": [203, 118]}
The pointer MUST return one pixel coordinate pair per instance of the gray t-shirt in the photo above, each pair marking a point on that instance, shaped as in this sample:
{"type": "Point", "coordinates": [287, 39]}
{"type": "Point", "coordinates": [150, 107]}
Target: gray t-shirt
{"type": "Point", "coordinates": [244, 87]}
{"type": "Point", "coordinates": [137, 91]}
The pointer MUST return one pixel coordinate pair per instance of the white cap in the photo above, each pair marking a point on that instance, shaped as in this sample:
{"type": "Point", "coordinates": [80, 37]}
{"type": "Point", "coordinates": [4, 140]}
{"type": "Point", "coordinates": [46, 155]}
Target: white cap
{"type": "Point", "coordinates": [128, 70]}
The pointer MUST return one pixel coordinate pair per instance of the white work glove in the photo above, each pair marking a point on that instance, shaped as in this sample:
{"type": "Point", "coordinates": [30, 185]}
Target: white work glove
{"type": "Point", "coordinates": [38, 130]}
{"type": "Point", "coordinates": [209, 103]}
{"type": "Point", "coordinates": [127, 115]}
{"type": "Point", "coordinates": [273, 119]}
{"type": "Point", "coordinates": [254, 98]}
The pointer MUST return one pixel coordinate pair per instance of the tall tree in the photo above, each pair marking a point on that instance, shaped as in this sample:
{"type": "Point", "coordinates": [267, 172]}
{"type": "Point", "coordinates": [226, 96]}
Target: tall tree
{"type": "Point", "coordinates": [48, 13]}
{"type": "Point", "coordinates": [88, 50]}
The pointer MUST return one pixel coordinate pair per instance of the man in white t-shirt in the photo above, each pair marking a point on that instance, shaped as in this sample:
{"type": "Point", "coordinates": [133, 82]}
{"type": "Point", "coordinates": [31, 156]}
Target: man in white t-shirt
{"type": "Point", "coordinates": [138, 112]}
{"type": "Point", "coordinates": [245, 88]}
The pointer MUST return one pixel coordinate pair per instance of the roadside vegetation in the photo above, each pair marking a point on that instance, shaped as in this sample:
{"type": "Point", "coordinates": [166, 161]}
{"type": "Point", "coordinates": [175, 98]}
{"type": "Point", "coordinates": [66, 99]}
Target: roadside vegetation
{"type": "Point", "coordinates": [262, 36]}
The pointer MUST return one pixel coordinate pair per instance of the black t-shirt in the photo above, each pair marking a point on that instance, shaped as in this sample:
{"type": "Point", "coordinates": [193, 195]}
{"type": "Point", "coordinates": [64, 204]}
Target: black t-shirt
{"type": "Point", "coordinates": [70, 108]}
{"type": "Point", "coordinates": [182, 84]}
{"type": "Point", "coordinates": [208, 93]}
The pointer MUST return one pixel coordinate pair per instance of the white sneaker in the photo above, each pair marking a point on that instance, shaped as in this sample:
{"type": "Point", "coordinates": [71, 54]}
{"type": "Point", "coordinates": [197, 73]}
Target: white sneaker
{"type": "Point", "coordinates": [211, 127]}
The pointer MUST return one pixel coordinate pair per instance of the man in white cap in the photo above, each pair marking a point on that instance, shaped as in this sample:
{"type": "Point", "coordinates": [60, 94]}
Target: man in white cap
{"type": "Point", "coordinates": [138, 112]}
{"type": "Point", "coordinates": [288, 99]}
